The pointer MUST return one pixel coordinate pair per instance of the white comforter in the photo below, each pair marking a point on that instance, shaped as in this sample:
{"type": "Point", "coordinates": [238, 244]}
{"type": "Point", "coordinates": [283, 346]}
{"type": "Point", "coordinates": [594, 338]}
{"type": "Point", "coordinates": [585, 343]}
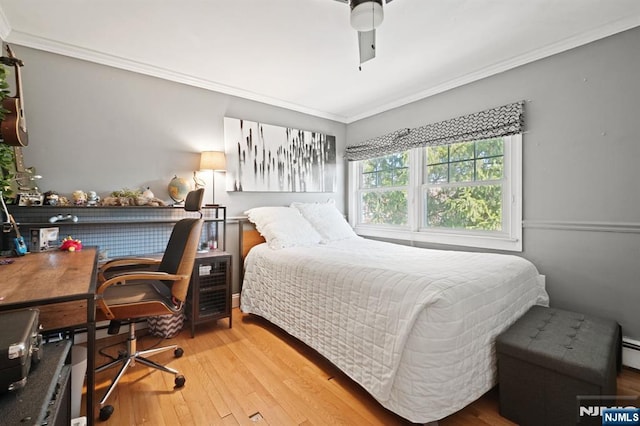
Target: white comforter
{"type": "Point", "coordinates": [415, 327]}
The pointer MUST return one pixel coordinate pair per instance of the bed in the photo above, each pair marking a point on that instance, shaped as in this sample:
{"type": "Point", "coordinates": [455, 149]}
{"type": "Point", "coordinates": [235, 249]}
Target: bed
{"type": "Point", "coordinates": [414, 327]}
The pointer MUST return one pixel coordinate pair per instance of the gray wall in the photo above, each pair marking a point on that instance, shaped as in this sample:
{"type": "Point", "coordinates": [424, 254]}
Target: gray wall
{"type": "Point", "coordinates": [93, 127]}
{"type": "Point", "coordinates": [98, 128]}
{"type": "Point", "coordinates": [581, 155]}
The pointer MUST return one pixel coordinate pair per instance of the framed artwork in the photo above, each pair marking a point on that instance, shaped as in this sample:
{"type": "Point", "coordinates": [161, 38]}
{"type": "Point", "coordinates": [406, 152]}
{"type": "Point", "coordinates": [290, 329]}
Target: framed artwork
{"type": "Point", "coordinates": [262, 158]}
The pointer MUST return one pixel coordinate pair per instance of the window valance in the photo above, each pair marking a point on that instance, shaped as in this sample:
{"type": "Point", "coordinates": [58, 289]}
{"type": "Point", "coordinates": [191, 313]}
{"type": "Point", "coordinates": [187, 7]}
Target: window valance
{"type": "Point", "coordinates": [500, 121]}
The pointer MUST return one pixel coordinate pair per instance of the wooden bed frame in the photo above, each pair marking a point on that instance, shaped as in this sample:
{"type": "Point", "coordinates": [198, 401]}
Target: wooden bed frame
{"type": "Point", "coordinates": [248, 240]}
{"type": "Point", "coordinates": [249, 237]}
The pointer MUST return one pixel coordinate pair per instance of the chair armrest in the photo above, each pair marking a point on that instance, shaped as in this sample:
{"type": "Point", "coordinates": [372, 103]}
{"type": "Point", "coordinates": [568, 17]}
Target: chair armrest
{"type": "Point", "coordinates": [128, 261]}
{"type": "Point", "coordinates": [138, 276]}
{"type": "Point", "coordinates": [125, 262]}
{"type": "Point", "coordinates": [123, 278]}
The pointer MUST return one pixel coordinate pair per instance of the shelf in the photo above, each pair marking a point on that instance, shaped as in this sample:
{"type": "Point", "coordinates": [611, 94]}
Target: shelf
{"type": "Point", "coordinates": [119, 231]}
{"type": "Point", "coordinates": [108, 222]}
{"type": "Point", "coordinates": [172, 207]}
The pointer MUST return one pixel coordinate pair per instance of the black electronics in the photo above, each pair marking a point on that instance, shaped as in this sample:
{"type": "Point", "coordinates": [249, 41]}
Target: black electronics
{"type": "Point", "coordinates": [20, 347]}
{"type": "Point", "coordinates": [46, 399]}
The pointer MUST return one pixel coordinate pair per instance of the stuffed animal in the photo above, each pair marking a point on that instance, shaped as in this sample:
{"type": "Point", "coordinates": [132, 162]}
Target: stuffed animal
{"type": "Point", "coordinates": [69, 244]}
{"type": "Point", "coordinates": [79, 198]}
{"type": "Point", "coordinates": [133, 201]}
{"type": "Point", "coordinates": [149, 201]}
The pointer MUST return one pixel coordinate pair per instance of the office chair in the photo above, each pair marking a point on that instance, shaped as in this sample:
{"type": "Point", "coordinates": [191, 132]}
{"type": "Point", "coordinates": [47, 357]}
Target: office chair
{"type": "Point", "coordinates": [131, 288]}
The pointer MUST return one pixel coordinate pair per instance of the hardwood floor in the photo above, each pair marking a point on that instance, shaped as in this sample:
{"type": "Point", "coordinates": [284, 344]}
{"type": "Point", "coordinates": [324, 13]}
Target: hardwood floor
{"type": "Point", "coordinates": [253, 374]}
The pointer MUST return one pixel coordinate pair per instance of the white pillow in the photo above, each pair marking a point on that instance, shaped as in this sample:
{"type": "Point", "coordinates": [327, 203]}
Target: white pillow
{"type": "Point", "coordinates": [326, 219]}
{"type": "Point", "coordinates": [283, 227]}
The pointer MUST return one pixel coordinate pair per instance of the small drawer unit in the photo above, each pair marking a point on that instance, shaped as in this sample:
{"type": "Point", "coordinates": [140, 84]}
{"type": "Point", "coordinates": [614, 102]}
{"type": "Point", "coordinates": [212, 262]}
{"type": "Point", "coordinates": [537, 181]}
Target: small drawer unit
{"type": "Point", "coordinates": [209, 296]}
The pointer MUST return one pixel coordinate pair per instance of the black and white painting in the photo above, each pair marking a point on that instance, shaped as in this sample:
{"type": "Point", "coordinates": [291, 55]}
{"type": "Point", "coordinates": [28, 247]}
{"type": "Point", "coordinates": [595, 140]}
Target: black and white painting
{"type": "Point", "coordinates": [263, 157]}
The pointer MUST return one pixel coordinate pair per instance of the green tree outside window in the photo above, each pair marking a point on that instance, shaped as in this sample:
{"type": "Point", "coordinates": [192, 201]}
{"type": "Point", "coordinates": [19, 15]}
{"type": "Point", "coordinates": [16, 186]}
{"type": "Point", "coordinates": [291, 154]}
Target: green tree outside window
{"type": "Point", "coordinates": [464, 185]}
{"type": "Point", "coordinates": [384, 189]}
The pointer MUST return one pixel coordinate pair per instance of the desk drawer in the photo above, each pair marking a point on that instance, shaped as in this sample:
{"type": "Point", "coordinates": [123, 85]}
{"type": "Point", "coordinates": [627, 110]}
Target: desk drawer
{"type": "Point", "coordinates": [62, 315]}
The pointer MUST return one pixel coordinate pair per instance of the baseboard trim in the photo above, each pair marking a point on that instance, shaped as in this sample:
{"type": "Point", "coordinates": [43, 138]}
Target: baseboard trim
{"type": "Point", "coordinates": [631, 353]}
{"type": "Point", "coordinates": [235, 300]}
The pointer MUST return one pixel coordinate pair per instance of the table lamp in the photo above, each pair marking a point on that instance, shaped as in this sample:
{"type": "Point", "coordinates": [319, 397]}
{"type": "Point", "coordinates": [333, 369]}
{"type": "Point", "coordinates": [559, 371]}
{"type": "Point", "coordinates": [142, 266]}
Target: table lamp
{"type": "Point", "coordinates": [214, 161]}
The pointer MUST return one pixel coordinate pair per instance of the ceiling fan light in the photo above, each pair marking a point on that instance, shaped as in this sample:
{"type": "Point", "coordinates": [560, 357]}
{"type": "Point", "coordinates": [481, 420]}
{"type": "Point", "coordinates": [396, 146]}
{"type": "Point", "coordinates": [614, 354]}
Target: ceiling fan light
{"type": "Point", "coordinates": [366, 15]}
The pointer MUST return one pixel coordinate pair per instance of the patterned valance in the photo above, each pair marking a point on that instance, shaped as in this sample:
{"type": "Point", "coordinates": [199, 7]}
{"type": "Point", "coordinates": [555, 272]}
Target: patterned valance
{"type": "Point", "coordinates": [501, 121]}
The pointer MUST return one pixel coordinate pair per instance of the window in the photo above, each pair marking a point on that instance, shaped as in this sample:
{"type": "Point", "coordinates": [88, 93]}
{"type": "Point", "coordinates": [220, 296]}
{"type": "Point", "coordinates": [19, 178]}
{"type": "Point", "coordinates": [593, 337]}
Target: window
{"type": "Point", "coordinates": [466, 193]}
{"type": "Point", "coordinates": [384, 187]}
{"type": "Point", "coordinates": [463, 185]}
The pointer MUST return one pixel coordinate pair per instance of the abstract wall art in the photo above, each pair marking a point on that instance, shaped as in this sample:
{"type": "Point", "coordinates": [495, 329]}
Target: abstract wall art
{"type": "Point", "coordinates": [263, 157]}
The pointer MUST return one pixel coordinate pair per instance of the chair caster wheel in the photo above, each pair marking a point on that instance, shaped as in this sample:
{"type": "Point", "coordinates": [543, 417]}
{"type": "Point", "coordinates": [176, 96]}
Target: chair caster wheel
{"type": "Point", "coordinates": [178, 352]}
{"type": "Point", "coordinates": [179, 381]}
{"type": "Point", "coordinates": [106, 412]}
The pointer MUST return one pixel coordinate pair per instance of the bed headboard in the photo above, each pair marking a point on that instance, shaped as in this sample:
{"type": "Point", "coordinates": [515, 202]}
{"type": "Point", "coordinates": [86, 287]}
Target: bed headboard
{"type": "Point", "coordinates": [249, 237]}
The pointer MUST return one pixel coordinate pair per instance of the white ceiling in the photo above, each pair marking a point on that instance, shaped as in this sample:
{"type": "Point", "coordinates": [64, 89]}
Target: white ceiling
{"type": "Point", "coordinates": [302, 54]}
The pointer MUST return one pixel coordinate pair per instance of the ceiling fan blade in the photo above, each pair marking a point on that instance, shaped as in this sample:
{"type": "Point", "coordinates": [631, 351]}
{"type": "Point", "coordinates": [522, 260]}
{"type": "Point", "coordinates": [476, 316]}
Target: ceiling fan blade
{"type": "Point", "coordinates": [347, 1]}
{"type": "Point", "coordinates": [367, 45]}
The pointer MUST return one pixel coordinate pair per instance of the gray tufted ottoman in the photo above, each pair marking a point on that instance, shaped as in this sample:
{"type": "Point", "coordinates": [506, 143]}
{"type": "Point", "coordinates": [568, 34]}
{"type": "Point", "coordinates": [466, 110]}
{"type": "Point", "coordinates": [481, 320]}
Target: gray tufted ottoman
{"type": "Point", "coordinates": [548, 358]}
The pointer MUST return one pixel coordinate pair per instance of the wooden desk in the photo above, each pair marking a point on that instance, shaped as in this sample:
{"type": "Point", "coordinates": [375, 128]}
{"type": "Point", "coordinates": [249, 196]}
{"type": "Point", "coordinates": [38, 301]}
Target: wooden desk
{"type": "Point", "coordinates": [56, 277]}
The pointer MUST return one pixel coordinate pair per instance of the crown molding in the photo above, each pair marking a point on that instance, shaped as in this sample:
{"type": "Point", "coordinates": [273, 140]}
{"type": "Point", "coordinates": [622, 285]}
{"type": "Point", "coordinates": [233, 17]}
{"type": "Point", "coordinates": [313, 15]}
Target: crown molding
{"type": "Point", "coordinates": [74, 51]}
{"type": "Point", "coordinates": [550, 50]}
{"type": "Point", "coordinates": [78, 52]}
{"type": "Point", "coordinates": [5, 28]}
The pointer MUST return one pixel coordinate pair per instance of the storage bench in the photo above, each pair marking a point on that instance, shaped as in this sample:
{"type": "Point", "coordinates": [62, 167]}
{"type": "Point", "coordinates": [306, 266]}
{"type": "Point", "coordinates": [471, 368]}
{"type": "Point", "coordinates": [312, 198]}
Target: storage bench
{"type": "Point", "coordinates": [548, 358]}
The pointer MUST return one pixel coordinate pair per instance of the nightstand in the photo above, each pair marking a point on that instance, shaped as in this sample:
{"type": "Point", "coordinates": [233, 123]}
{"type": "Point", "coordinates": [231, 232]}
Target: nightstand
{"type": "Point", "coordinates": [209, 297]}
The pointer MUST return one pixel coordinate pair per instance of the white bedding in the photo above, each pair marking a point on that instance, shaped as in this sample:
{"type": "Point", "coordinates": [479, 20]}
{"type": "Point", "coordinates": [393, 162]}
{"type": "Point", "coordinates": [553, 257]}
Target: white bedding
{"type": "Point", "coordinates": [415, 327]}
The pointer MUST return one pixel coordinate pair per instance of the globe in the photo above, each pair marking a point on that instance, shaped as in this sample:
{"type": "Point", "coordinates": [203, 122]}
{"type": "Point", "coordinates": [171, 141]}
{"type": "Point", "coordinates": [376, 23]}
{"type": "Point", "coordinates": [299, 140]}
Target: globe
{"type": "Point", "coordinates": [178, 189]}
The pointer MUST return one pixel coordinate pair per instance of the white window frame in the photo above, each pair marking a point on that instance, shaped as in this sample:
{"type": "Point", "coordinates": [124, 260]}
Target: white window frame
{"type": "Point", "coordinates": [509, 239]}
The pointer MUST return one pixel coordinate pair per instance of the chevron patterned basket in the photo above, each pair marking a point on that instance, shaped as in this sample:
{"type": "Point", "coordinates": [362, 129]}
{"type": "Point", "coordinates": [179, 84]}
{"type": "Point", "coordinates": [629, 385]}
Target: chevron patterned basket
{"type": "Point", "coordinates": [166, 326]}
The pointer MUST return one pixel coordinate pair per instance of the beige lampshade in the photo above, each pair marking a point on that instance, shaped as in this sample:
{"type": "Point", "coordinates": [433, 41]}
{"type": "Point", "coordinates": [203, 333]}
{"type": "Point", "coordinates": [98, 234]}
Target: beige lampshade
{"type": "Point", "coordinates": [213, 160]}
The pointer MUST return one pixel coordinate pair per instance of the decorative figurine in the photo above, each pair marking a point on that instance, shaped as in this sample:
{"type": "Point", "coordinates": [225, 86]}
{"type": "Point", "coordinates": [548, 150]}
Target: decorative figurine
{"type": "Point", "coordinates": [79, 197]}
{"type": "Point", "coordinates": [51, 198]}
{"type": "Point", "coordinates": [92, 198]}
{"type": "Point", "coordinates": [148, 193]}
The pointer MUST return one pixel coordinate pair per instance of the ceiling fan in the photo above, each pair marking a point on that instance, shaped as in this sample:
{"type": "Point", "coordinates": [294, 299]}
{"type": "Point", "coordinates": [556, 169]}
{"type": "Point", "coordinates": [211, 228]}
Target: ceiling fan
{"type": "Point", "coordinates": [366, 15]}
